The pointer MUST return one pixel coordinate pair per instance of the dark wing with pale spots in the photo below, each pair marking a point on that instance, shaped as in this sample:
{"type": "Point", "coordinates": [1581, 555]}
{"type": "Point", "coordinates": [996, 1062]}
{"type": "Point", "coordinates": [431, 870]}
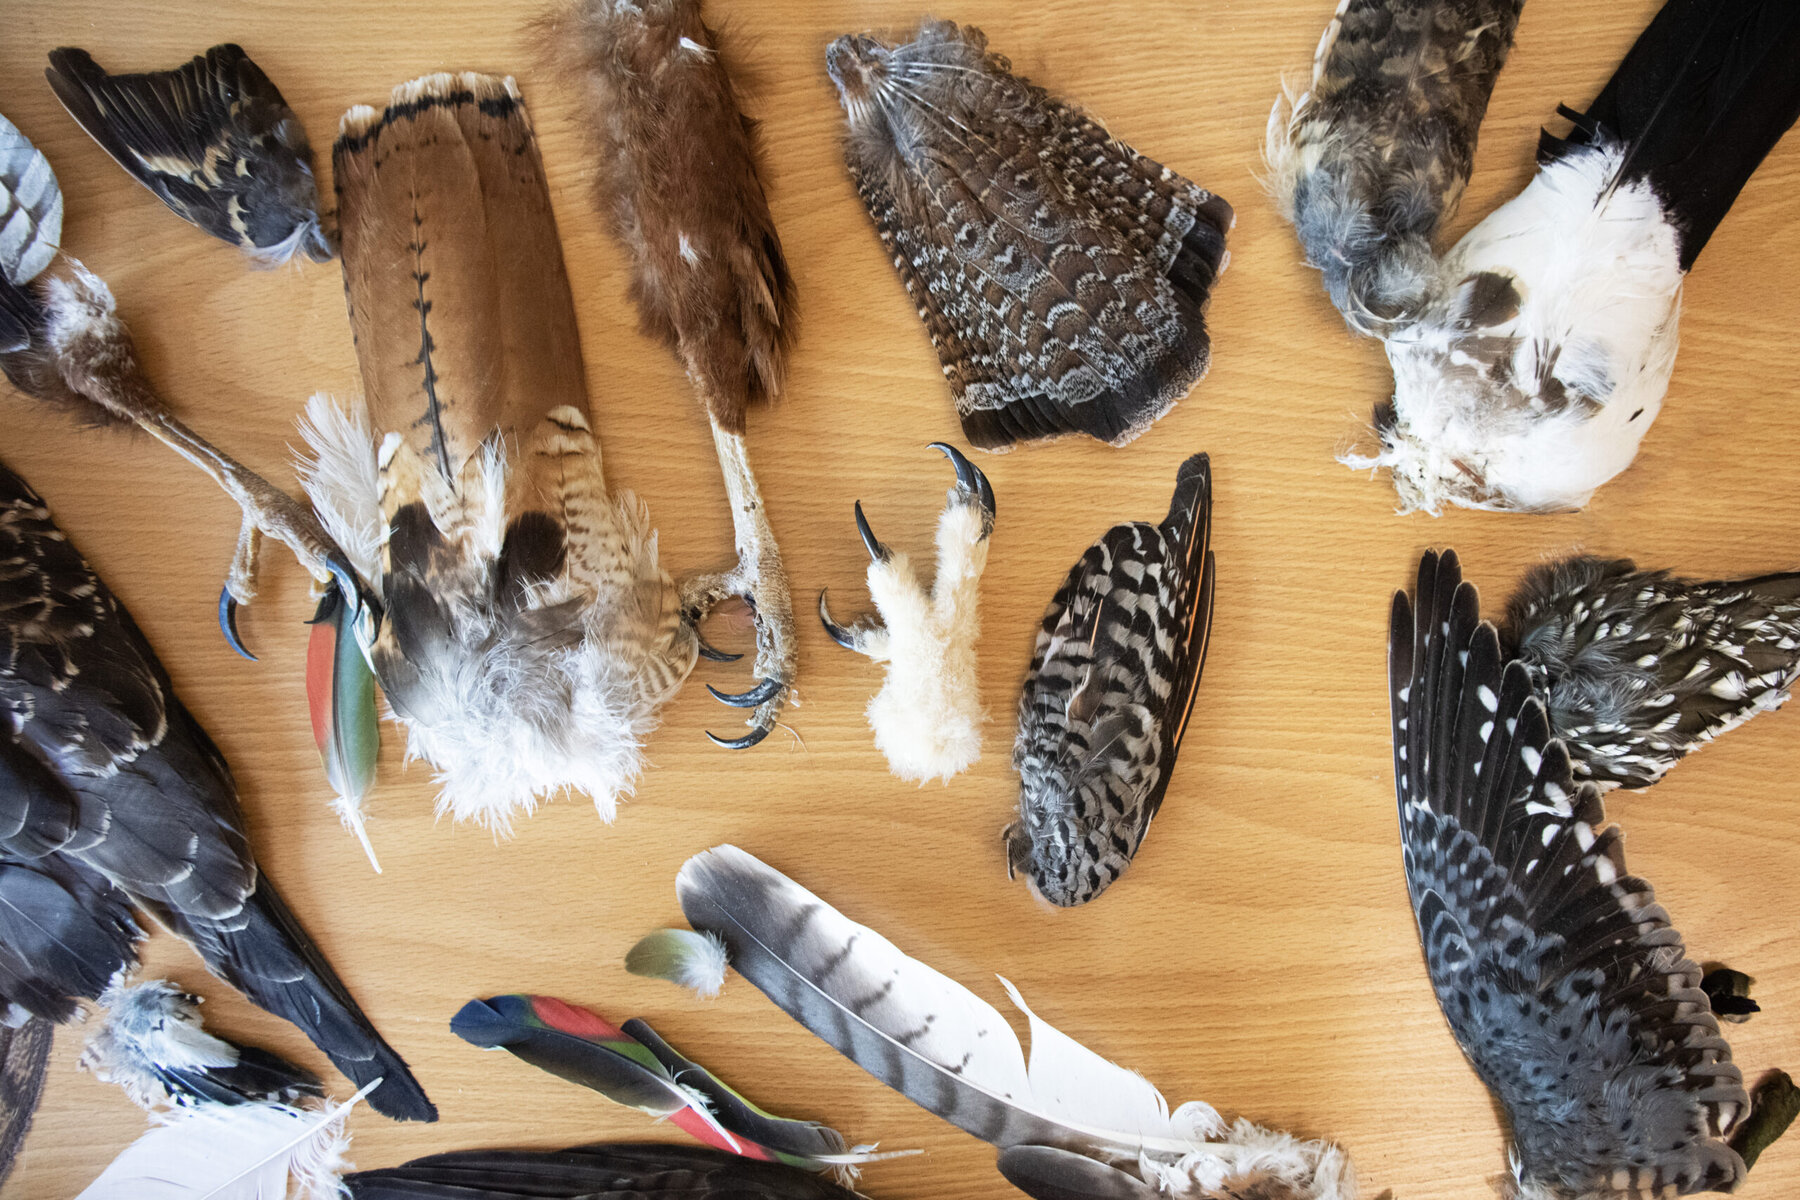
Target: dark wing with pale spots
{"type": "Point", "coordinates": [606, 1172]}
{"type": "Point", "coordinates": [1559, 975]}
{"type": "Point", "coordinates": [213, 139]}
{"type": "Point", "coordinates": [1639, 669]}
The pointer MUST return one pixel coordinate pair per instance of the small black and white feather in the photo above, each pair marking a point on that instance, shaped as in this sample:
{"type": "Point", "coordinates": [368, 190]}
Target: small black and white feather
{"type": "Point", "coordinates": [213, 139]}
{"type": "Point", "coordinates": [1561, 978]}
{"type": "Point", "coordinates": [1106, 702]}
{"type": "Point", "coordinates": [1638, 669]}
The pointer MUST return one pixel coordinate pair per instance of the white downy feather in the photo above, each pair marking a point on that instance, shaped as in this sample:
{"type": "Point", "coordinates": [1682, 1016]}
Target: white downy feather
{"type": "Point", "coordinates": [233, 1152]}
{"type": "Point", "coordinates": [913, 1026]}
{"type": "Point", "coordinates": [927, 717]}
{"type": "Point", "coordinates": [148, 1025]}
{"type": "Point", "coordinates": [1598, 273]}
{"type": "Point", "coordinates": [342, 482]}
{"type": "Point", "coordinates": [31, 208]}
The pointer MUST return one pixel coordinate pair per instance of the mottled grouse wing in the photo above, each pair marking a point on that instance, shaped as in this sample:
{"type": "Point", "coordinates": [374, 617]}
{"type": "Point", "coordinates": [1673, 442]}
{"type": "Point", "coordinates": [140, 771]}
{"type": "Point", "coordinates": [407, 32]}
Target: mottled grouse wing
{"type": "Point", "coordinates": [1559, 975]}
{"type": "Point", "coordinates": [1638, 669]}
{"type": "Point", "coordinates": [1062, 275]}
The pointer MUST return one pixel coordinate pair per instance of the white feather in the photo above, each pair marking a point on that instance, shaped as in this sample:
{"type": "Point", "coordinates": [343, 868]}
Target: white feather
{"type": "Point", "coordinates": [342, 481]}
{"type": "Point", "coordinates": [233, 1152]}
{"type": "Point", "coordinates": [149, 1025]}
{"type": "Point", "coordinates": [31, 208]}
{"type": "Point", "coordinates": [1597, 268]}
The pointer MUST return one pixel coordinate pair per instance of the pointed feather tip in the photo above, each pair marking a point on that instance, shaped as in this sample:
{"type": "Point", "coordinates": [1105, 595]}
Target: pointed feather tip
{"type": "Point", "coordinates": [493, 1023]}
{"type": "Point", "coordinates": [695, 961]}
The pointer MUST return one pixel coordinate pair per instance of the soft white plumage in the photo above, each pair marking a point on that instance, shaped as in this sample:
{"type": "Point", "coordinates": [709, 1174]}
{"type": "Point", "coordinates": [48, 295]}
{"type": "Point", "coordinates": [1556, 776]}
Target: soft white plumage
{"type": "Point", "coordinates": [147, 1026]}
{"type": "Point", "coordinates": [1585, 349]}
{"type": "Point", "coordinates": [233, 1152]}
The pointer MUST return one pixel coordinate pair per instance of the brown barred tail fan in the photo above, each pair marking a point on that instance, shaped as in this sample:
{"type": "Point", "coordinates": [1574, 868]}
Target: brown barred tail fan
{"type": "Point", "coordinates": [531, 636]}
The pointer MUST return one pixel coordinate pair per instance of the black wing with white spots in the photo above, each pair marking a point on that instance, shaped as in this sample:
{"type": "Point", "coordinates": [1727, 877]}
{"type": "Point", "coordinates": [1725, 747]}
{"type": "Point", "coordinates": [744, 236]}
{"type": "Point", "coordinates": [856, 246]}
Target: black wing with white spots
{"type": "Point", "coordinates": [1560, 976]}
{"type": "Point", "coordinates": [1118, 659]}
{"type": "Point", "coordinates": [1639, 669]}
{"type": "Point", "coordinates": [213, 139]}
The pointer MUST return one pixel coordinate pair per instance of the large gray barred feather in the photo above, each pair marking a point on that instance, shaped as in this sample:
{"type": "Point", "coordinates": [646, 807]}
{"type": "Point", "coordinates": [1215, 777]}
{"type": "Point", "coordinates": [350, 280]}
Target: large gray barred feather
{"type": "Point", "coordinates": [1112, 681]}
{"type": "Point", "coordinates": [1373, 157]}
{"type": "Point", "coordinates": [1061, 275]}
{"type": "Point", "coordinates": [1562, 979]}
{"type": "Point", "coordinates": [1639, 669]}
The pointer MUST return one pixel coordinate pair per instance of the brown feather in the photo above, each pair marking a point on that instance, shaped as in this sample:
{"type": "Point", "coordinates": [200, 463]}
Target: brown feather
{"type": "Point", "coordinates": [531, 635]}
{"type": "Point", "coordinates": [679, 181]}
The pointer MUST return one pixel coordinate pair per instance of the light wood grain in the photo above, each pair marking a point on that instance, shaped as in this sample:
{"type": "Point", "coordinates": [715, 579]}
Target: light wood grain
{"type": "Point", "coordinates": [1261, 954]}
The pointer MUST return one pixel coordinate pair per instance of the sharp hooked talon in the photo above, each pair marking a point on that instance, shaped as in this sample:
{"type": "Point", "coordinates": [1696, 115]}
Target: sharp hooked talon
{"type": "Point", "coordinates": [877, 551]}
{"type": "Point", "coordinates": [712, 655]}
{"type": "Point", "coordinates": [744, 743]}
{"type": "Point", "coordinates": [761, 693]}
{"type": "Point", "coordinates": [843, 637]}
{"type": "Point", "coordinates": [228, 623]}
{"type": "Point", "coordinates": [969, 477]}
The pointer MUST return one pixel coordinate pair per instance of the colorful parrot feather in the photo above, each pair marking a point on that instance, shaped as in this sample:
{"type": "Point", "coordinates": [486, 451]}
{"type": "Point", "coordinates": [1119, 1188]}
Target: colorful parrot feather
{"type": "Point", "coordinates": [340, 692]}
{"type": "Point", "coordinates": [631, 1065]}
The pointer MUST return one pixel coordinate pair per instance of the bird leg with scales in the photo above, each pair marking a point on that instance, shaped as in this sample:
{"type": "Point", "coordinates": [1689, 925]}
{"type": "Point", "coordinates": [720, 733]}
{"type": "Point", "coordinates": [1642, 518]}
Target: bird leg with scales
{"type": "Point", "coordinates": [761, 580]}
{"type": "Point", "coordinates": [98, 361]}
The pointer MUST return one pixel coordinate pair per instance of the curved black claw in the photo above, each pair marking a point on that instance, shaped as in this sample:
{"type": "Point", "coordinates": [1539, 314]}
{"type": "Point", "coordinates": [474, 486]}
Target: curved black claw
{"type": "Point", "coordinates": [712, 655]}
{"type": "Point", "coordinates": [744, 743]}
{"type": "Point", "coordinates": [877, 551]}
{"type": "Point", "coordinates": [228, 623]}
{"type": "Point", "coordinates": [839, 634]}
{"type": "Point", "coordinates": [759, 694]}
{"type": "Point", "coordinates": [969, 476]}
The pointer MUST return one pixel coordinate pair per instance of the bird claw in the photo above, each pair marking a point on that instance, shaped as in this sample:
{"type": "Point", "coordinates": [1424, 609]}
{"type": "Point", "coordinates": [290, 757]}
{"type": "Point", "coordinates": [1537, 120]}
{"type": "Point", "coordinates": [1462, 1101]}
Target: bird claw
{"type": "Point", "coordinates": [877, 552]}
{"type": "Point", "coordinates": [744, 743]}
{"type": "Point", "coordinates": [971, 484]}
{"type": "Point", "coordinates": [853, 637]}
{"type": "Point", "coordinates": [228, 608]}
{"type": "Point", "coordinates": [712, 654]}
{"type": "Point", "coordinates": [774, 637]}
{"type": "Point", "coordinates": [762, 693]}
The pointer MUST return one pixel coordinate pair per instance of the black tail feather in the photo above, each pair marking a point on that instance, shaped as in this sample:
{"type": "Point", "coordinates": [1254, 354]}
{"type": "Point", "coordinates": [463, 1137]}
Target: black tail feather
{"type": "Point", "coordinates": [264, 953]}
{"type": "Point", "coordinates": [1703, 96]}
{"type": "Point", "coordinates": [606, 1172]}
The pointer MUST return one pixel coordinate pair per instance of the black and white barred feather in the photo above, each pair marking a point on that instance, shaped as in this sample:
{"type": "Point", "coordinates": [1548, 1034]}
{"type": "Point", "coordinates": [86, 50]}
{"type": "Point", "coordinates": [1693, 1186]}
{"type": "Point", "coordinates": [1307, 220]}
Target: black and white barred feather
{"type": "Point", "coordinates": [1112, 681]}
{"type": "Point", "coordinates": [1638, 669]}
{"type": "Point", "coordinates": [1561, 978]}
{"type": "Point", "coordinates": [1062, 276]}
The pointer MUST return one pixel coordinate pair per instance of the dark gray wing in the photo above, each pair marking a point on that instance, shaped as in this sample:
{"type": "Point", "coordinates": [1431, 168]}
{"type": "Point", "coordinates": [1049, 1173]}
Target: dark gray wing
{"type": "Point", "coordinates": [1561, 978]}
{"type": "Point", "coordinates": [1639, 669]}
{"type": "Point", "coordinates": [606, 1172]}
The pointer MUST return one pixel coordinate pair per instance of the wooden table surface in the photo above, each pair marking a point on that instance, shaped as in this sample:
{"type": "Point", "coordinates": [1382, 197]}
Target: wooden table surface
{"type": "Point", "coordinates": [1261, 954]}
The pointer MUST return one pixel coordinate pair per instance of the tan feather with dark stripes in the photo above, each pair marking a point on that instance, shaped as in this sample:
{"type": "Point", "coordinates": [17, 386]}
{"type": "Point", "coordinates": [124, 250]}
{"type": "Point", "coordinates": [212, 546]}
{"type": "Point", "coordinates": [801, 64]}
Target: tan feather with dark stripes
{"type": "Point", "coordinates": [531, 635]}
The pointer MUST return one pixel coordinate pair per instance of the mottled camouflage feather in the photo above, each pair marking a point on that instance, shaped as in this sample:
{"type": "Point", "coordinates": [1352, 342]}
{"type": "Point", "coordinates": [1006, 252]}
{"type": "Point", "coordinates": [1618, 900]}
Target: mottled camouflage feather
{"type": "Point", "coordinates": [1638, 669]}
{"type": "Point", "coordinates": [1061, 275]}
{"type": "Point", "coordinates": [1560, 976]}
{"type": "Point", "coordinates": [1118, 658]}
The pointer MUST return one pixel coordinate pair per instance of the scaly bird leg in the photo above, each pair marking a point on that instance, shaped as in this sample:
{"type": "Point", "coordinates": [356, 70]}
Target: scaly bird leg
{"type": "Point", "coordinates": [97, 359]}
{"type": "Point", "coordinates": [760, 579]}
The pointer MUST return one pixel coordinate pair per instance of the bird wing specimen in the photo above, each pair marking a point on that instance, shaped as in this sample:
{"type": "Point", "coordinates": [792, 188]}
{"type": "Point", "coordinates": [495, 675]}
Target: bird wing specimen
{"type": "Point", "coordinates": [1061, 275]}
{"type": "Point", "coordinates": [927, 716]}
{"type": "Point", "coordinates": [1637, 669]}
{"type": "Point", "coordinates": [213, 139]}
{"type": "Point", "coordinates": [531, 636]}
{"type": "Point", "coordinates": [1530, 359]}
{"type": "Point", "coordinates": [153, 1044]}
{"type": "Point", "coordinates": [1560, 976]}
{"type": "Point", "coordinates": [1372, 158]}
{"type": "Point", "coordinates": [112, 795]}
{"type": "Point", "coordinates": [1058, 1119]}
{"type": "Point", "coordinates": [680, 185]}
{"type": "Point", "coordinates": [62, 343]}
{"type": "Point", "coordinates": [604, 1172]}
{"type": "Point", "coordinates": [631, 1065]}
{"type": "Point", "coordinates": [1106, 702]}
{"type": "Point", "coordinates": [24, 1053]}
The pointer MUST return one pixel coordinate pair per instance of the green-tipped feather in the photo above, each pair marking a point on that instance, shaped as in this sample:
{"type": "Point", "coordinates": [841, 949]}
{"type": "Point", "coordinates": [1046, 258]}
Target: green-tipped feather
{"type": "Point", "coordinates": [696, 961]}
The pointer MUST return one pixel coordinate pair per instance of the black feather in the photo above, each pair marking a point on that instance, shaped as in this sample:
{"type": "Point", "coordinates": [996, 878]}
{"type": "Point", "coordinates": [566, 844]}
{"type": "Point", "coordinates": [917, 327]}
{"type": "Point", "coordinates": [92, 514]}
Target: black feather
{"type": "Point", "coordinates": [602, 1172]}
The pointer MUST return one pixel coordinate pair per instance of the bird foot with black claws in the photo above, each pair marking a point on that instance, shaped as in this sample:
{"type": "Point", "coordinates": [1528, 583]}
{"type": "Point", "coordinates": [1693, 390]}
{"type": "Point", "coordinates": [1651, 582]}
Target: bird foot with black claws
{"type": "Point", "coordinates": [927, 717]}
{"type": "Point", "coordinates": [763, 586]}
